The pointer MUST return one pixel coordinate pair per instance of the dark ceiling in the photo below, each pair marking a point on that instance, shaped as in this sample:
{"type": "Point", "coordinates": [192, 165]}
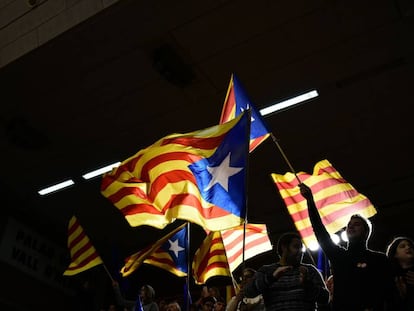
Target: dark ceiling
{"type": "Point", "coordinates": [140, 70]}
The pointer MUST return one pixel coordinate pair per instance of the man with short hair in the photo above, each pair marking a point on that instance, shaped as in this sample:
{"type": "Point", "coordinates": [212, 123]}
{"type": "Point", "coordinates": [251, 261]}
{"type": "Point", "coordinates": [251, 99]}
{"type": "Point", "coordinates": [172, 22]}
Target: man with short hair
{"type": "Point", "coordinates": [362, 277]}
{"type": "Point", "coordinates": [289, 284]}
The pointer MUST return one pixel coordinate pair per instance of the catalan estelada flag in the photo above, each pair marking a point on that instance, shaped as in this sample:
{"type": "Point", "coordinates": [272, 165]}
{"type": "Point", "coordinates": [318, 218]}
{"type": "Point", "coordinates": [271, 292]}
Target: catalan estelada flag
{"type": "Point", "coordinates": [172, 254]}
{"type": "Point", "coordinates": [83, 254]}
{"type": "Point", "coordinates": [168, 253]}
{"type": "Point", "coordinates": [198, 177]}
{"type": "Point", "coordinates": [256, 241]}
{"type": "Point", "coordinates": [336, 199]}
{"type": "Point", "coordinates": [238, 101]}
{"type": "Point", "coordinates": [210, 259]}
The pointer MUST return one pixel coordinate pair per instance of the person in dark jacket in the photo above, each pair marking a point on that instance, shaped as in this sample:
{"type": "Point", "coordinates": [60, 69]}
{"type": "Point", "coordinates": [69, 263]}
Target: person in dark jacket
{"type": "Point", "coordinates": [362, 277]}
{"type": "Point", "coordinates": [400, 252]}
{"type": "Point", "coordinates": [289, 284]}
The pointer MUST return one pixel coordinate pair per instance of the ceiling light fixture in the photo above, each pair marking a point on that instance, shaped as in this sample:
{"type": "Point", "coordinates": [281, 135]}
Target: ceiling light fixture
{"type": "Point", "coordinates": [289, 102]}
{"type": "Point", "coordinates": [56, 187]}
{"type": "Point", "coordinates": [100, 171]}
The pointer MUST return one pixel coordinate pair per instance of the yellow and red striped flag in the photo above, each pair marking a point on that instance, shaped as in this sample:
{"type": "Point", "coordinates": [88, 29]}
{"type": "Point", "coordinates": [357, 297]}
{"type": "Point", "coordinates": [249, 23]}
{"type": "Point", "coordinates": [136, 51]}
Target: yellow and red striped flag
{"type": "Point", "coordinates": [256, 242]}
{"type": "Point", "coordinates": [198, 177]}
{"type": "Point", "coordinates": [159, 257]}
{"type": "Point", "coordinates": [335, 198]}
{"type": "Point", "coordinates": [235, 103]}
{"type": "Point", "coordinates": [210, 259]}
{"type": "Point", "coordinates": [83, 254]}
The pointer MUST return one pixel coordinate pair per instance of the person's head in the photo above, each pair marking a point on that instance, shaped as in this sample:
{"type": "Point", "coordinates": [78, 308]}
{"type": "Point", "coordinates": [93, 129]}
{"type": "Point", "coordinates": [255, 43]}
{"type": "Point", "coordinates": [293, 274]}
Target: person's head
{"type": "Point", "coordinates": [289, 248]}
{"type": "Point", "coordinates": [220, 304]}
{"type": "Point", "coordinates": [401, 251]}
{"type": "Point", "coordinates": [246, 276]}
{"type": "Point", "coordinates": [358, 229]}
{"type": "Point", "coordinates": [214, 291]}
{"type": "Point", "coordinates": [112, 307]}
{"type": "Point", "coordinates": [147, 293]}
{"type": "Point", "coordinates": [207, 303]}
{"type": "Point", "coordinates": [162, 304]}
{"type": "Point", "coordinates": [173, 306]}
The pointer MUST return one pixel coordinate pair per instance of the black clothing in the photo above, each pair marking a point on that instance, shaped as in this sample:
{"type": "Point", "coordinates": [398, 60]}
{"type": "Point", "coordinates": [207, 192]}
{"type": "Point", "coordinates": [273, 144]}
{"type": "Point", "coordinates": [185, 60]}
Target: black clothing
{"type": "Point", "coordinates": [403, 302]}
{"type": "Point", "coordinates": [362, 277]}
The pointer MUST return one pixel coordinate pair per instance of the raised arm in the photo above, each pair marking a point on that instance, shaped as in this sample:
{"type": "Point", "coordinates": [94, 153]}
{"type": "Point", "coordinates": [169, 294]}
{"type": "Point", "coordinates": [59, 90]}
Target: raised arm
{"type": "Point", "coordinates": [321, 233]}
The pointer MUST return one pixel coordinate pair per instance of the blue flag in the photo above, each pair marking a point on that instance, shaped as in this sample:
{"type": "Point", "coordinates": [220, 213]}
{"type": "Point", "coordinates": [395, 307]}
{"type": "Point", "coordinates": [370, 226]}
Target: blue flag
{"type": "Point", "coordinates": [238, 101]}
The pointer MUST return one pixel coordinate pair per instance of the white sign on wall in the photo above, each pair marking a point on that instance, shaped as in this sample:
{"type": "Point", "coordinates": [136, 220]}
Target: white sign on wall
{"type": "Point", "coordinates": [31, 253]}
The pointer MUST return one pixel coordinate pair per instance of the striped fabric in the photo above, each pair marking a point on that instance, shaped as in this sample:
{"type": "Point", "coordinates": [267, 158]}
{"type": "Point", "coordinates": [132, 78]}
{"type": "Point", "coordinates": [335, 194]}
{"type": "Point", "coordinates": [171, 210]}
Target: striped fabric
{"type": "Point", "coordinates": [256, 242]}
{"type": "Point", "coordinates": [83, 254]}
{"type": "Point", "coordinates": [210, 259]}
{"type": "Point", "coordinates": [235, 103]}
{"type": "Point", "coordinates": [335, 199]}
{"type": "Point", "coordinates": [153, 253]}
{"type": "Point", "coordinates": [198, 177]}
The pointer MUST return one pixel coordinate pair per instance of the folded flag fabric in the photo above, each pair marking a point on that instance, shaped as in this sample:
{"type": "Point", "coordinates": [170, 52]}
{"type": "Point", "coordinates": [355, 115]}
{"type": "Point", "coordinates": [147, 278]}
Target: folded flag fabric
{"type": "Point", "coordinates": [335, 198]}
{"type": "Point", "coordinates": [83, 254]}
{"type": "Point", "coordinates": [134, 261]}
{"type": "Point", "coordinates": [256, 242]}
{"type": "Point", "coordinates": [238, 101]}
{"type": "Point", "coordinates": [198, 177]}
{"type": "Point", "coordinates": [210, 259]}
{"type": "Point", "coordinates": [172, 254]}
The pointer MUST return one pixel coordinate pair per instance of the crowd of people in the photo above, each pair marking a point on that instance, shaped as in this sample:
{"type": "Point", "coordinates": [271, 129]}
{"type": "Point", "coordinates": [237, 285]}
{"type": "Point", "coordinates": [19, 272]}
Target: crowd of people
{"type": "Point", "coordinates": [361, 279]}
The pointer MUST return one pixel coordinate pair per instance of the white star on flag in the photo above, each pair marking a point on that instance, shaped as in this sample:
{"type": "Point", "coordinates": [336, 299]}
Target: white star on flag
{"type": "Point", "coordinates": [222, 173]}
{"type": "Point", "coordinates": [174, 247]}
{"type": "Point", "coordinates": [251, 115]}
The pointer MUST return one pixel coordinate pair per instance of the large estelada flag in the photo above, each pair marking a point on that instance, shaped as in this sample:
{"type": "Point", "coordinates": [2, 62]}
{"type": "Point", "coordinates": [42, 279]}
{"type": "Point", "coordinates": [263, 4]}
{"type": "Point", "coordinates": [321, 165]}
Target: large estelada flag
{"type": "Point", "coordinates": [83, 254]}
{"type": "Point", "coordinates": [256, 241]}
{"type": "Point", "coordinates": [168, 253]}
{"type": "Point", "coordinates": [210, 259]}
{"type": "Point", "coordinates": [235, 103]}
{"type": "Point", "coordinates": [335, 198]}
{"type": "Point", "coordinates": [198, 177]}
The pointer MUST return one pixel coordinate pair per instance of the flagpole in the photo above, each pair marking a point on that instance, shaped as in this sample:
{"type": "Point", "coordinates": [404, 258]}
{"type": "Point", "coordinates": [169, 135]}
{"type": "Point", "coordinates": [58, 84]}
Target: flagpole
{"type": "Point", "coordinates": [109, 274]}
{"type": "Point", "coordinates": [249, 111]}
{"type": "Point", "coordinates": [284, 156]}
{"type": "Point", "coordinates": [187, 302]}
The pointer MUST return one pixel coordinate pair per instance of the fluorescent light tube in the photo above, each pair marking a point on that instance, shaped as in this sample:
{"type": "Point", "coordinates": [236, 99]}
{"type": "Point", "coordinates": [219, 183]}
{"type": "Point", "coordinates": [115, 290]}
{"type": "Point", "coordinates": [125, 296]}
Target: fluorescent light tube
{"type": "Point", "coordinates": [100, 171]}
{"type": "Point", "coordinates": [56, 187]}
{"type": "Point", "coordinates": [289, 102]}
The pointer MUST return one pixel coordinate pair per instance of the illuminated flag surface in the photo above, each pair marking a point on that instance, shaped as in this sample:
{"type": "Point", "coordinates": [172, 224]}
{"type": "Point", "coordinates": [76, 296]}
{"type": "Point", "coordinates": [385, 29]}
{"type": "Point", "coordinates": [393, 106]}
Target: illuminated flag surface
{"type": "Point", "coordinates": [198, 177]}
{"type": "Point", "coordinates": [210, 259]}
{"type": "Point", "coordinates": [83, 254]}
{"type": "Point", "coordinates": [335, 198]}
{"type": "Point", "coordinates": [256, 242]}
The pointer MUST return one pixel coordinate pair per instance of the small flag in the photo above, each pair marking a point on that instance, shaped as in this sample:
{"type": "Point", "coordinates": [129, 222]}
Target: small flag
{"type": "Point", "coordinates": [198, 177]}
{"type": "Point", "coordinates": [83, 254]}
{"type": "Point", "coordinates": [336, 199]}
{"type": "Point", "coordinates": [210, 259]}
{"type": "Point", "coordinates": [172, 254]}
{"type": "Point", "coordinates": [238, 101]}
{"type": "Point", "coordinates": [256, 242]}
{"type": "Point", "coordinates": [134, 261]}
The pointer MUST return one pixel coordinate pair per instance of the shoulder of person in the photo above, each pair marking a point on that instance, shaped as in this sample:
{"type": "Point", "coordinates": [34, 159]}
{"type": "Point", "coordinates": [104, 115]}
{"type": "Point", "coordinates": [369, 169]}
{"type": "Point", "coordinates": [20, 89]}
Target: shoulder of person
{"type": "Point", "coordinates": [268, 267]}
